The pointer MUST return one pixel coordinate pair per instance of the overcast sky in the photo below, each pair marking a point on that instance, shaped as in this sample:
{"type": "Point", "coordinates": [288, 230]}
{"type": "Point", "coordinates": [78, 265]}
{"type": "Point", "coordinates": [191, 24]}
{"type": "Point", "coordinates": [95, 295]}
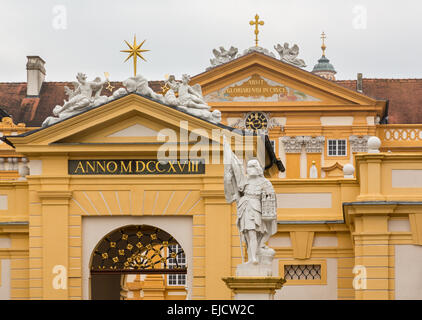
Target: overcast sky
{"type": "Point", "coordinates": [380, 38]}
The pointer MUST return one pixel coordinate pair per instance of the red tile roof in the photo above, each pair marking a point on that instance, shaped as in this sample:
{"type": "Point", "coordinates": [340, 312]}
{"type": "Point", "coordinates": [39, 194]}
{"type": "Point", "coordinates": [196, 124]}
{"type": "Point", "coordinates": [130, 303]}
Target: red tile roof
{"type": "Point", "coordinates": [404, 95]}
{"type": "Point", "coordinates": [33, 110]}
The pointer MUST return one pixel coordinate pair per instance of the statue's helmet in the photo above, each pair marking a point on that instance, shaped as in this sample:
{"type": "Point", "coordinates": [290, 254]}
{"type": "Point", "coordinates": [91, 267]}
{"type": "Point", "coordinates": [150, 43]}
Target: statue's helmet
{"type": "Point", "coordinates": [255, 165]}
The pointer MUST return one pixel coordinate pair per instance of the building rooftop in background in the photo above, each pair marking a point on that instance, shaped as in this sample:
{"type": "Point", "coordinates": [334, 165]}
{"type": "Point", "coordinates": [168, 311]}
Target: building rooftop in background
{"type": "Point", "coordinates": [404, 96]}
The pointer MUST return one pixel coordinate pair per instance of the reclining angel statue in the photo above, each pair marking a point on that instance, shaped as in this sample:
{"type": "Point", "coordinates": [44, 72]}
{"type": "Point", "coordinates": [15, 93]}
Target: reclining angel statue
{"type": "Point", "coordinates": [189, 99]}
{"type": "Point", "coordinates": [255, 200]}
{"type": "Point", "coordinates": [139, 84]}
{"type": "Point", "coordinates": [85, 94]}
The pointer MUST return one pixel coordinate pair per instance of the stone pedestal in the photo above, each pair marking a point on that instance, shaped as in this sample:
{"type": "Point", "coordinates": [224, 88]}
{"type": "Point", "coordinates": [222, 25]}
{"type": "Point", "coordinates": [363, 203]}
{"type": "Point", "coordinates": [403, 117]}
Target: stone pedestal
{"type": "Point", "coordinates": [255, 281]}
{"type": "Point", "coordinates": [254, 288]}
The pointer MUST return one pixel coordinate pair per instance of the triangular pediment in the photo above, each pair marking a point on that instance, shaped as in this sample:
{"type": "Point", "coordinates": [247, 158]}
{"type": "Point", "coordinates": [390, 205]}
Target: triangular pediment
{"type": "Point", "coordinates": [129, 123]}
{"type": "Point", "coordinates": [136, 130]}
{"type": "Point", "coordinates": [257, 79]}
{"type": "Point", "coordinates": [258, 88]}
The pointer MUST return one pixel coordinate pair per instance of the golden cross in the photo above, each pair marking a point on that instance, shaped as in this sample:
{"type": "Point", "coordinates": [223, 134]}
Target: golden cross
{"type": "Point", "coordinates": [135, 52]}
{"type": "Point", "coordinates": [323, 47]}
{"type": "Point", "coordinates": [256, 23]}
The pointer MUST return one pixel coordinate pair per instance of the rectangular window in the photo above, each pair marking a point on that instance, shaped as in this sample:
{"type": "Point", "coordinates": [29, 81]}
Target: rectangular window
{"type": "Point", "coordinates": [337, 147]}
{"type": "Point", "coordinates": [176, 279]}
{"type": "Point", "coordinates": [302, 272]}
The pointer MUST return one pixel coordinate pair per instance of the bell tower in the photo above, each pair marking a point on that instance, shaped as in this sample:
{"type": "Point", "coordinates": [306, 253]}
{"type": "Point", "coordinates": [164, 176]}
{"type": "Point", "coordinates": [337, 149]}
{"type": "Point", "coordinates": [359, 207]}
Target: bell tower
{"type": "Point", "coordinates": [324, 68]}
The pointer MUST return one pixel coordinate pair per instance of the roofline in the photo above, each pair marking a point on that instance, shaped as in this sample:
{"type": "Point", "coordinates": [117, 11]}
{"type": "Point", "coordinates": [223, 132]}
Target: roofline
{"type": "Point", "coordinates": [318, 78]}
{"type": "Point", "coordinates": [385, 79]}
{"type": "Point", "coordinates": [232, 129]}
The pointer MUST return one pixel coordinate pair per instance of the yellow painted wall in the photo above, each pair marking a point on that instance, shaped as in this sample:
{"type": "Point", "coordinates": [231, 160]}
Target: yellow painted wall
{"type": "Point", "coordinates": [44, 212]}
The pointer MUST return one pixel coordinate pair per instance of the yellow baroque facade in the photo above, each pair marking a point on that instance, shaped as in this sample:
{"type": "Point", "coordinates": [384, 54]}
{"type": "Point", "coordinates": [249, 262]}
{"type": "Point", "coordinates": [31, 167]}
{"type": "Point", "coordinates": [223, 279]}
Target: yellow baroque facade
{"type": "Point", "coordinates": [349, 211]}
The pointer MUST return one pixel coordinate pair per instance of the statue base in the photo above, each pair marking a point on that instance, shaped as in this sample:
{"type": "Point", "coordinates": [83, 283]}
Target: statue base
{"type": "Point", "coordinates": [254, 288]}
{"type": "Point", "coordinates": [262, 269]}
{"type": "Point", "coordinates": [254, 270]}
{"type": "Point", "coordinates": [255, 281]}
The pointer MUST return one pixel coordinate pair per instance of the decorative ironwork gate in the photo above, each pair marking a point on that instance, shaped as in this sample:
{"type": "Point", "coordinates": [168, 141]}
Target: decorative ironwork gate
{"type": "Point", "coordinates": [137, 249]}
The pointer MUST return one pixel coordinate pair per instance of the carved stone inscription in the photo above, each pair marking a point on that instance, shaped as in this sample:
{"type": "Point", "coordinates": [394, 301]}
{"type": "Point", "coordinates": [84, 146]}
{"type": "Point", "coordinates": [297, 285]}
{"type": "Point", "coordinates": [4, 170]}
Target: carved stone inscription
{"type": "Point", "coordinates": [135, 166]}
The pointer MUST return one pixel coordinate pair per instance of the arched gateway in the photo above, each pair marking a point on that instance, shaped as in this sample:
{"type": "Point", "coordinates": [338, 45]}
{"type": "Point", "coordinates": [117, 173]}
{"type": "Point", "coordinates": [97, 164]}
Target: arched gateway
{"type": "Point", "coordinates": [137, 262]}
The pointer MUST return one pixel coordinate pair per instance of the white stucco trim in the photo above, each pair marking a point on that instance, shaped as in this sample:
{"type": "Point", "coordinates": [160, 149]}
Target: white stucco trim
{"type": "Point", "coordinates": [370, 120]}
{"type": "Point", "coordinates": [4, 279]}
{"type": "Point", "coordinates": [408, 281]}
{"type": "Point", "coordinates": [304, 200]}
{"type": "Point", "coordinates": [303, 163]}
{"type": "Point", "coordinates": [136, 130]}
{"type": "Point", "coordinates": [320, 241]}
{"type": "Point", "coordinates": [406, 178]}
{"type": "Point", "coordinates": [337, 121]}
{"type": "Point", "coordinates": [35, 167]}
{"type": "Point", "coordinates": [282, 157]}
{"type": "Point", "coordinates": [4, 201]}
{"type": "Point", "coordinates": [280, 241]}
{"type": "Point", "coordinates": [398, 225]}
{"type": "Point", "coordinates": [5, 242]}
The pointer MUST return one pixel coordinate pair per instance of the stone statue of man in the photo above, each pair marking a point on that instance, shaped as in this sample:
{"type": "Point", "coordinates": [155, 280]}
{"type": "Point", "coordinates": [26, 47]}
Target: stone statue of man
{"type": "Point", "coordinates": [255, 199]}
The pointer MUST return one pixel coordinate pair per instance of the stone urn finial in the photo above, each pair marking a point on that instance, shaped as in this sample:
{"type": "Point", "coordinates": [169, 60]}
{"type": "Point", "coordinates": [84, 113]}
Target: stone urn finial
{"type": "Point", "coordinates": [374, 144]}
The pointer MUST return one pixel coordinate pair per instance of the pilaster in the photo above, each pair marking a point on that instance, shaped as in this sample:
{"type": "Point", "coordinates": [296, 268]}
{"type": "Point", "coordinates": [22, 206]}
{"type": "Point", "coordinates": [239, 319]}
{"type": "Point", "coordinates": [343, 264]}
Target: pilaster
{"type": "Point", "coordinates": [55, 246]}
{"type": "Point", "coordinates": [218, 243]}
{"type": "Point", "coordinates": [374, 255]}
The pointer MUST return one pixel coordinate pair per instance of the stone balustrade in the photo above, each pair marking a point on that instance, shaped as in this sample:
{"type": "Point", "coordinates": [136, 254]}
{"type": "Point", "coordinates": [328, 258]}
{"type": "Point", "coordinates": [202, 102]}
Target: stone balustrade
{"type": "Point", "coordinates": [10, 164]}
{"type": "Point", "coordinates": [400, 136]}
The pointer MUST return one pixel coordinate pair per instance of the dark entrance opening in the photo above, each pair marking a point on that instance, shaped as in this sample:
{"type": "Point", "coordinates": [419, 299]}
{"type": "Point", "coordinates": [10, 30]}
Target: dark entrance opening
{"type": "Point", "coordinates": [133, 249]}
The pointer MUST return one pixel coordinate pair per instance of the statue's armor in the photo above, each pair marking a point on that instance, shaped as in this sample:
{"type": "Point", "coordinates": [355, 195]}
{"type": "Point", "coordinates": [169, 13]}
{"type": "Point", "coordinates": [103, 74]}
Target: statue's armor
{"type": "Point", "coordinates": [249, 206]}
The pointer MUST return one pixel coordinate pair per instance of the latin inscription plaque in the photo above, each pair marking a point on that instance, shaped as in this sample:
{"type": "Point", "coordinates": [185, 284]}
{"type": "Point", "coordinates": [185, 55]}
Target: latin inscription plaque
{"type": "Point", "coordinates": [135, 166]}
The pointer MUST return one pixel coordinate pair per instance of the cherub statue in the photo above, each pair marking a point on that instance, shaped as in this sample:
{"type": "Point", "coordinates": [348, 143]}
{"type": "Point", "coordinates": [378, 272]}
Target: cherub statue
{"type": "Point", "coordinates": [223, 55]}
{"type": "Point", "coordinates": [256, 204]}
{"type": "Point", "coordinates": [191, 96]}
{"type": "Point", "coordinates": [190, 99]}
{"type": "Point", "coordinates": [85, 94]}
{"type": "Point", "coordinates": [289, 55]}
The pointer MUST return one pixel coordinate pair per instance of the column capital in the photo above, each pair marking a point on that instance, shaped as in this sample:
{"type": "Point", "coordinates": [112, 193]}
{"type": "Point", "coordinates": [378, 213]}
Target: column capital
{"type": "Point", "coordinates": [358, 143]}
{"type": "Point", "coordinates": [312, 144]}
{"type": "Point", "coordinates": [54, 197]}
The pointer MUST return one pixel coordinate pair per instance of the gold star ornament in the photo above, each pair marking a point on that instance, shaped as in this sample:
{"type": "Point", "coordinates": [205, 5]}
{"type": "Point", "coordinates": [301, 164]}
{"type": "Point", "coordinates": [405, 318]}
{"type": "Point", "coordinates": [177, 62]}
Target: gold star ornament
{"type": "Point", "coordinates": [134, 51]}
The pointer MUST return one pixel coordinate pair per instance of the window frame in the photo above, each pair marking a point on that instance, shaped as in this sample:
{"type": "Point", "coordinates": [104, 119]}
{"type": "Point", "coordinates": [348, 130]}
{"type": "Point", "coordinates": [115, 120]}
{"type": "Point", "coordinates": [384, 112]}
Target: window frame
{"type": "Point", "coordinates": [322, 263]}
{"type": "Point", "coordinates": [179, 277]}
{"type": "Point", "coordinates": [337, 148]}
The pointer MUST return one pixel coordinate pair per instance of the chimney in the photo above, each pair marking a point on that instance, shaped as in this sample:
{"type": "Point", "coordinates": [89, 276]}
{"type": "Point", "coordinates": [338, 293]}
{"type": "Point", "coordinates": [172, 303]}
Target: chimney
{"type": "Point", "coordinates": [359, 83]}
{"type": "Point", "coordinates": [35, 73]}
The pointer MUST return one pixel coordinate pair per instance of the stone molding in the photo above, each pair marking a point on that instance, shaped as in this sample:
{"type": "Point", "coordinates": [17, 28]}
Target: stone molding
{"type": "Point", "coordinates": [358, 143]}
{"type": "Point", "coordinates": [312, 144]}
